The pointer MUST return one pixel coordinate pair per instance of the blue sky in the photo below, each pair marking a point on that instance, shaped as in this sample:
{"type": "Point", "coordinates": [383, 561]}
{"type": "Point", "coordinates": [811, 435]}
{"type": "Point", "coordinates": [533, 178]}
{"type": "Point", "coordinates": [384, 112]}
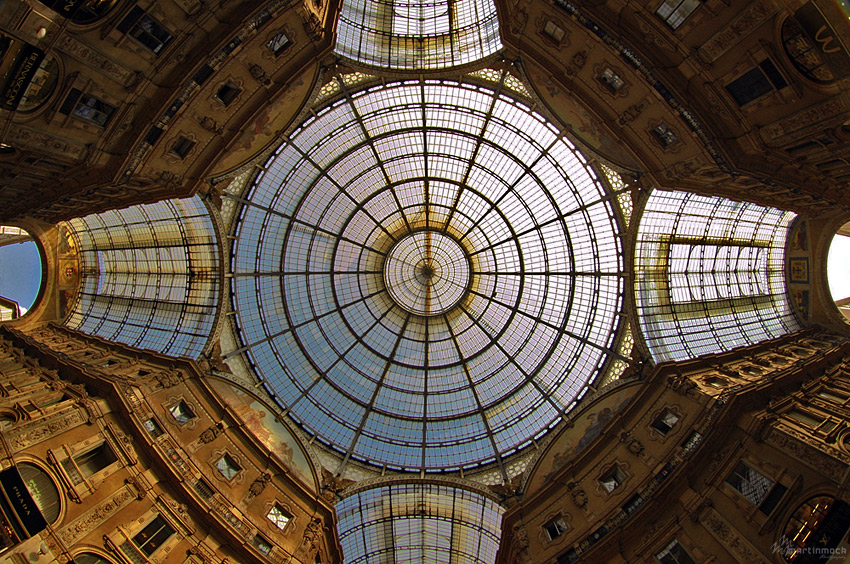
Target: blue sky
{"type": "Point", "coordinates": [838, 267]}
{"type": "Point", "coordinates": [20, 273]}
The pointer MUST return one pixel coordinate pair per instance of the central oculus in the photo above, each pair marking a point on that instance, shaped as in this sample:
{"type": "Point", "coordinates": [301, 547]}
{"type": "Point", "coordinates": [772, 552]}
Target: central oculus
{"type": "Point", "coordinates": [427, 273]}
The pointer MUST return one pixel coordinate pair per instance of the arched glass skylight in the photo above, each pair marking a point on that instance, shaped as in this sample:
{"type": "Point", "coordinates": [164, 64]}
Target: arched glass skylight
{"type": "Point", "coordinates": [427, 275]}
{"type": "Point", "coordinates": [710, 275]}
{"type": "Point", "coordinates": [417, 34]}
{"type": "Point", "coordinates": [149, 276]}
{"type": "Point", "coordinates": [419, 523]}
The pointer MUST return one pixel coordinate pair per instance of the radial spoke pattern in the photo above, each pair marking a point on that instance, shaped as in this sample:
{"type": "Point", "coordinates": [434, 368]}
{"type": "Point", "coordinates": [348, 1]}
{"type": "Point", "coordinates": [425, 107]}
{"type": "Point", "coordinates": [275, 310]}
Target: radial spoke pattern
{"type": "Point", "coordinates": [427, 275]}
{"type": "Point", "coordinates": [710, 275]}
{"type": "Point", "coordinates": [417, 523]}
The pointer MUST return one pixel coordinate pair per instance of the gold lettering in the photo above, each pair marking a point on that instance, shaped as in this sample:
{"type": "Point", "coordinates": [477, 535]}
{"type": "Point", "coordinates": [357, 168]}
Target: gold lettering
{"type": "Point", "coordinates": [20, 79]}
{"type": "Point", "coordinates": [825, 40]}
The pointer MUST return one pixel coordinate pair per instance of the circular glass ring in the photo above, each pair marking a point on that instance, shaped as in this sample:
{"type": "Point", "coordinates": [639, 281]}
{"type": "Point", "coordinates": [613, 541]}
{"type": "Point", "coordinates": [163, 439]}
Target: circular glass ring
{"type": "Point", "coordinates": [427, 273]}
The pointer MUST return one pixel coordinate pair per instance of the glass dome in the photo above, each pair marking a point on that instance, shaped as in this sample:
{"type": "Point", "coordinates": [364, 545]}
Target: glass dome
{"type": "Point", "coordinates": [427, 274]}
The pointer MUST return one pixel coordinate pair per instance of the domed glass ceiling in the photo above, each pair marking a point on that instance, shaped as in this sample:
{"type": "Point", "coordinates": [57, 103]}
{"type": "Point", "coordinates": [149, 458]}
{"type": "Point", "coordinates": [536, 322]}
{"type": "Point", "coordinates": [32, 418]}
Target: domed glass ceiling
{"type": "Point", "coordinates": [426, 274]}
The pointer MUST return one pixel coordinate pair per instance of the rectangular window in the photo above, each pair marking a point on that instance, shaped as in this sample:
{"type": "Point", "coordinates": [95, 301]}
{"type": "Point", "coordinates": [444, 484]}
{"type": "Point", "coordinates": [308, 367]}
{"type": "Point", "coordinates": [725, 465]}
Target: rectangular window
{"type": "Point", "coordinates": [181, 412]}
{"type": "Point", "coordinates": [182, 146]}
{"type": "Point", "coordinates": [665, 422]}
{"type": "Point", "coordinates": [674, 554]}
{"type": "Point", "coordinates": [228, 93]}
{"type": "Point", "coordinates": [664, 135]}
{"type": "Point", "coordinates": [674, 12]}
{"type": "Point", "coordinates": [145, 30]}
{"type": "Point", "coordinates": [555, 528]}
{"type": "Point", "coordinates": [278, 43]}
{"type": "Point", "coordinates": [88, 463]}
{"type": "Point", "coordinates": [227, 467]}
{"type": "Point", "coordinates": [612, 480]}
{"type": "Point", "coordinates": [153, 535]}
{"type": "Point", "coordinates": [87, 107]}
{"type": "Point", "coordinates": [757, 488]}
{"type": "Point", "coordinates": [153, 428]}
{"type": "Point", "coordinates": [611, 79]}
{"type": "Point", "coordinates": [279, 516]}
{"type": "Point", "coordinates": [759, 81]}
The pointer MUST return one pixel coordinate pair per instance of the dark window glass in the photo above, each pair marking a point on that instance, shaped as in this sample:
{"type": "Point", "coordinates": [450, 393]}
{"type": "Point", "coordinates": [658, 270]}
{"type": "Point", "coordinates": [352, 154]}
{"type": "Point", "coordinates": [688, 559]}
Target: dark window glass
{"type": "Point", "coordinates": [93, 461]}
{"type": "Point", "coordinates": [145, 30]}
{"type": "Point", "coordinates": [87, 107]}
{"type": "Point", "coordinates": [757, 488]}
{"type": "Point", "coordinates": [153, 535]}
{"type": "Point", "coordinates": [182, 147]}
{"type": "Point", "coordinates": [754, 84]}
{"type": "Point", "coordinates": [43, 490]}
{"type": "Point", "coordinates": [665, 422]}
{"type": "Point", "coordinates": [278, 43]}
{"type": "Point", "coordinates": [674, 554]}
{"type": "Point", "coordinates": [555, 528]}
{"type": "Point", "coordinates": [227, 93]}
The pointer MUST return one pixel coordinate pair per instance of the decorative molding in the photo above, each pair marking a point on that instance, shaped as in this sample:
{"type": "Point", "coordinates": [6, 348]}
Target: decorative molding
{"type": "Point", "coordinates": [47, 428]}
{"type": "Point", "coordinates": [807, 119]}
{"type": "Point", "coordinates": [88, 56]}
{"type": "Point", "coordinates": [728, 536]}
{"type": "Point", "coordinates": [92, 518]}
{"type": "Point", "coordinates": [728, 37]}
{"type": "Point", "coordinates": [825, 458]}
{"type": "Point", "coordinates": [19, 135]}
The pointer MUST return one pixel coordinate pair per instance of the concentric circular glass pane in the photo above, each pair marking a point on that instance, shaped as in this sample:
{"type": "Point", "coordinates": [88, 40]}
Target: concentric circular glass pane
{"type": "Point", "coordinates": [427, 275]}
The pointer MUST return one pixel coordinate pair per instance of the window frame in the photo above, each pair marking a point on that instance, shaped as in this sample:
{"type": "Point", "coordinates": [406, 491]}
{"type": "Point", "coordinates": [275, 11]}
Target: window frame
{"type": "Point", "coordinates": [164, 525]}
{"type": "Point", "coordinates": [774, 494]}
{"type": "Point", "coordinates": [675, 14]}
{"type": "Point", "coordinates": [283, 512]}
{"type": "Point", "coordinates": [76, 113]}
{"type": "Point", "coordinates": [675, 558]}
{"type": "Point", "coordinates": [137, 15]}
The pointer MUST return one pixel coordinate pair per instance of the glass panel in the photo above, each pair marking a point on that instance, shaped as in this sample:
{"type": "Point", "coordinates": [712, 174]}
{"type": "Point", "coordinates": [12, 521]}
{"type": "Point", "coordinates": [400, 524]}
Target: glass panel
{"type": "Point", "coordinates": [279, 516]}
{"type": "Point", "coordinates": [43, 490]}
{"type": "Point", "coordinates": [149, 276]}
{"type": "Point", "coordinates": [710, 275]}
{"type": "Point", "coordinates": [153, 535]}
{"type": "Point", "coordinates": [417, 34]}
{"type": "Point", "coordinates": [451, 274]}
{"type": "Point", "coordinates": [419, 523]}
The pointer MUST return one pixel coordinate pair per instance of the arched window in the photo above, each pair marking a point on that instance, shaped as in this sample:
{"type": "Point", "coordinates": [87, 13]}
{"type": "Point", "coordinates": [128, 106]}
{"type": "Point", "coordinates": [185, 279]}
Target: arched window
{"type": "Point", "coordinates": [43, 490]}
{"type": "Point", "coordinates": [814, 530]}
{"type": "Point", "coordinates": [90, 558]}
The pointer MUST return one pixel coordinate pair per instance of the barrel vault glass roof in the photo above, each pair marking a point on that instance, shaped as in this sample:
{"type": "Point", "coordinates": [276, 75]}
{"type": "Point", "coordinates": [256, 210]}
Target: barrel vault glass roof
{"type": "Point", "coordinates": [419, 522]}
{"type": "Point", "coordinates": [417, 34]}
{"type": "Point", "coordinates": [427, 274]}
